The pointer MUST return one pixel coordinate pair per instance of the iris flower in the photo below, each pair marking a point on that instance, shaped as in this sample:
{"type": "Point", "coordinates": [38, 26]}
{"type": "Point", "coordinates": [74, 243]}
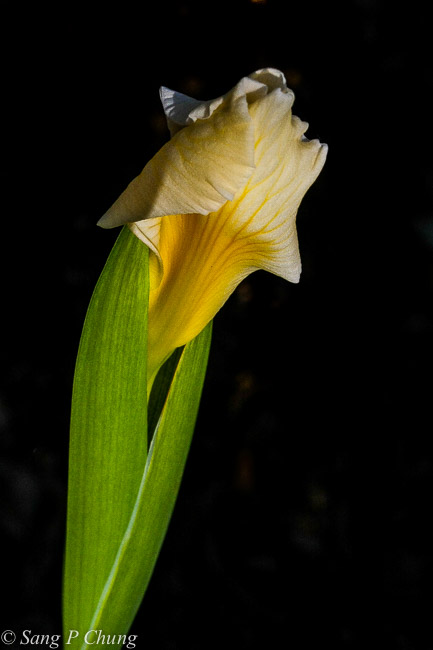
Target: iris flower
{"type": "Point", "coordinates": [217, 202]}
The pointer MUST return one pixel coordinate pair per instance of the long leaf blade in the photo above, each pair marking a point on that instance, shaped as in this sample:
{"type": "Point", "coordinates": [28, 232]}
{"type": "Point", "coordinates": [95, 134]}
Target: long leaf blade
{"type": "Point", "coordinates": [160, 484]}
{"type": "Point", "coordinates": [108, 445]}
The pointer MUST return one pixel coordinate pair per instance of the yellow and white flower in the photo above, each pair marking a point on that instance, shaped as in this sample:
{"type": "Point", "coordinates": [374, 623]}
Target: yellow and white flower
{"type": "Point", "coordinates": [217, 202]}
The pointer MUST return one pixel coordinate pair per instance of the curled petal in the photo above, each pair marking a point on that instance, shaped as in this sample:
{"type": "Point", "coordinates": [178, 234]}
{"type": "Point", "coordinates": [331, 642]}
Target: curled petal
{"type": "Point", "coordinates": [181, 110]}
{"type": "Point", "coordinates": [263, 214]}
{"type": "Point", "coordinates": [196, 172]}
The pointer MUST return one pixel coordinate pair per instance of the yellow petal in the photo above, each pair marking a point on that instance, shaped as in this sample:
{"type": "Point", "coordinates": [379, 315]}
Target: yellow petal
{"type": "Point", "coordinates": [200, 272]}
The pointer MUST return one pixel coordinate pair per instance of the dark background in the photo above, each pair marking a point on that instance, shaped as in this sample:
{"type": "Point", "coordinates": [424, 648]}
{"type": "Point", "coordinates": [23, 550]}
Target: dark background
{"type": "Point", "coordinates": [304, 516]}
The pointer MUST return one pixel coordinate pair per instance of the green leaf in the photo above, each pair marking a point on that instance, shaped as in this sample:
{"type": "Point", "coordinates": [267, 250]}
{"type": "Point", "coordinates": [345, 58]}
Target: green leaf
{"type": "Point", "coordinates": [120, 498]}
{"type": "Point", "coordinates": [108, 438]}
{"type": "Point", "coordinates": [156, 498]}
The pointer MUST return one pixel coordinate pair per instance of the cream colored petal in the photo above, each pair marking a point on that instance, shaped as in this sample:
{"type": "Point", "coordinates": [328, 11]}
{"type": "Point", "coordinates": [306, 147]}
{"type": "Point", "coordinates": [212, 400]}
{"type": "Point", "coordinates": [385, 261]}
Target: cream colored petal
{"type": "Point", "coordinates": [149, 231]}
{"type": "Point", "coordinates": [197, 171]}
{"type": "Point", "coordinates": [206, 257]}
{"type": "Point", "coordinates": [272, 79]}
{"type": "Point", "coordinates": [181, 110]}
{"type": "Point", "coordinates": [262, 216]}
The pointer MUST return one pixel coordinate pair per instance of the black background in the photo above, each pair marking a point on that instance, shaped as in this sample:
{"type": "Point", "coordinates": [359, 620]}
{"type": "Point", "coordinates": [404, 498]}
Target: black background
{"type": "Point", "coordinates": [303, 519]}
